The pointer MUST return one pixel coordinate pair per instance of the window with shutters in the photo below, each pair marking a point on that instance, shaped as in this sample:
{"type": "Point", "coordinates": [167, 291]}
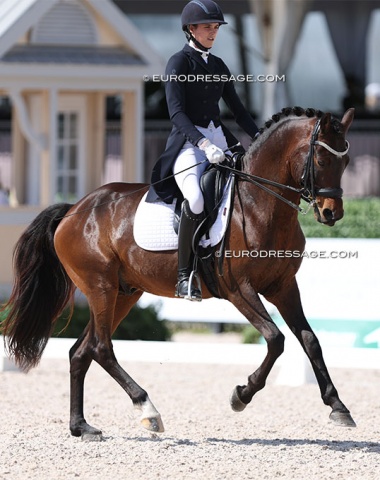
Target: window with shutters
{"type": "Point", "coordinates": [67, 157]}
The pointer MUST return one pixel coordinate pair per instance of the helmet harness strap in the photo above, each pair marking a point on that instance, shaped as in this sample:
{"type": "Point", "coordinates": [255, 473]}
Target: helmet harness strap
{"type": "Point", "coordinates": [191, 37]}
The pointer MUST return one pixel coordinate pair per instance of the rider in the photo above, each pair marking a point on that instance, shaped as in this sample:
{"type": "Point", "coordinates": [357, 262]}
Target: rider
{"type": "Point", "coordinates": [197, 80]}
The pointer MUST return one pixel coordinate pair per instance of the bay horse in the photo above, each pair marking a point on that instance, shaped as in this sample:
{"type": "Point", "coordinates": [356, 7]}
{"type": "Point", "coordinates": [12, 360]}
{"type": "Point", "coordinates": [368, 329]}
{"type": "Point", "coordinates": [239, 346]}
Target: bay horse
{"type": "Point", "coordinates": [90, 246]}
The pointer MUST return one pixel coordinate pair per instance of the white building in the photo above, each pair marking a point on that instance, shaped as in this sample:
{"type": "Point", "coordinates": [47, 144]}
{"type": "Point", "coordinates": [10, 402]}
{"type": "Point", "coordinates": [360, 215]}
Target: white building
{"type": "Point", "coordinates": [59, 59]}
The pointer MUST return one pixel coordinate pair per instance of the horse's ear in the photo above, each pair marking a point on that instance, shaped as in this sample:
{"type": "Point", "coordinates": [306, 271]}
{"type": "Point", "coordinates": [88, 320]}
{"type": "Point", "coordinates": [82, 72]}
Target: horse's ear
{"type": "Point", "coordinates": [325, 122]}
{"type": "Point", "coordinates": [347, 119]}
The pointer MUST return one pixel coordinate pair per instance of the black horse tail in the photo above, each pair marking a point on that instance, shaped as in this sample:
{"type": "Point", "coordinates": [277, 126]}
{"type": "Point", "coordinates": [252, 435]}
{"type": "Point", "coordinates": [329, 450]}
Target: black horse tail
{"type": "Point", "coordinates": [40, 292]}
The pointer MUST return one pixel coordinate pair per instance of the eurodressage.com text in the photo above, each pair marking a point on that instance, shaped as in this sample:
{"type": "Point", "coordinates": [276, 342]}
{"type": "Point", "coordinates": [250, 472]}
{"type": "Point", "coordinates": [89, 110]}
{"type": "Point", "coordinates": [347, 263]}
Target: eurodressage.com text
{"type": "Point", "coordinates": [215, 78]}
{"type": "Point", "coordinates": [286, 254]}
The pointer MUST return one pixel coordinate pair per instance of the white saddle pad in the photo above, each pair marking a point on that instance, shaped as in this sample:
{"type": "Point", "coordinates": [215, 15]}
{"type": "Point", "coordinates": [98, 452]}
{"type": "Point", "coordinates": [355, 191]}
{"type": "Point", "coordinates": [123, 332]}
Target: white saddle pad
{"type": "Point", "coordinates": [153, 226]}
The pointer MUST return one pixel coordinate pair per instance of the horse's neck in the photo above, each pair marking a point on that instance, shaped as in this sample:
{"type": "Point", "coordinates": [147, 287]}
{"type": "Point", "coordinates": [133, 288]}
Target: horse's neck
{"type": "Point", "coordinates": [272, 160]}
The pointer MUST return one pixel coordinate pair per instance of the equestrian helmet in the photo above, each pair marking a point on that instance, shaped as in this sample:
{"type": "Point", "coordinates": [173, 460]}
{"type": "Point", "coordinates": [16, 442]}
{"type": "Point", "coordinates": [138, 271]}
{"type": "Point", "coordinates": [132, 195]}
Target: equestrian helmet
{"type": "Point", "coordinates": [201, 11]}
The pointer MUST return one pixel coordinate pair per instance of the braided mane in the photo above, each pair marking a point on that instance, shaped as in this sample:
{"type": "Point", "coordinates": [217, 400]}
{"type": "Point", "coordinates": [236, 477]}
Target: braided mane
{"type": "Point", "coordinates": [283, 115]}
{"type": "Point", "coordinates": [286, 112]}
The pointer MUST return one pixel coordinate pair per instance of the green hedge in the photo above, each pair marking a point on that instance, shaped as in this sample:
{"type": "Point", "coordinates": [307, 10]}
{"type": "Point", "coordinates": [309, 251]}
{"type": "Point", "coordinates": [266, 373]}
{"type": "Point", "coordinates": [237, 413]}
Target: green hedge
{"type": "Point", "coordinates": [140, 324]}
{"type": "Point", "coordinates": [361, 220]}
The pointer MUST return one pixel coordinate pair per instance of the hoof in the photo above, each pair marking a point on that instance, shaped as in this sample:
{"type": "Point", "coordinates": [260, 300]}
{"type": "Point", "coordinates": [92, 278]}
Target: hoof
{"type": "Point", "coordinates": [236, 404]}
{"type": "Point", "coordinates": [92, 437]}
{"type": "Point", "coordinates": [343, 419]}
{"type": "Point", "coordinates": [150, 418]}
{"type": "Point", "coordinates": [153, 424]}
{"type": "Point", "coordinates": [85, 431]}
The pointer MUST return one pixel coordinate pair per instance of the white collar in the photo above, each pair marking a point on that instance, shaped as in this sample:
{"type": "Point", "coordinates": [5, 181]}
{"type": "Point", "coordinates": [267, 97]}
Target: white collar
{"type": "Point", "coordinates": [204, 54]}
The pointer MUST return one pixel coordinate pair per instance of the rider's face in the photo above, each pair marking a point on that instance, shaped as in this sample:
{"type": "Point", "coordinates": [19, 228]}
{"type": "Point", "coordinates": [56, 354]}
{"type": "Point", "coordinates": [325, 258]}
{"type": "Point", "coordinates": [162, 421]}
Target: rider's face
{"type": "Point", "coordinates": [205, 33]}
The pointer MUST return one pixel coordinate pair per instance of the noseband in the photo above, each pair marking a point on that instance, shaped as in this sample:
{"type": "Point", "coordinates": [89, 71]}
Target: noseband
{"type": "Point", "coordinates": [310, 192]}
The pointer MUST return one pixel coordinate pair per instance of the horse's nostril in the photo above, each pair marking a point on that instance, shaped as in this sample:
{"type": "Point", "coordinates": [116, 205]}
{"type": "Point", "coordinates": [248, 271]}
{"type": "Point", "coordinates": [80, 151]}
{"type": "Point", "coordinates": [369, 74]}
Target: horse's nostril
{"type": "Point", "coordinates": [328, 214]}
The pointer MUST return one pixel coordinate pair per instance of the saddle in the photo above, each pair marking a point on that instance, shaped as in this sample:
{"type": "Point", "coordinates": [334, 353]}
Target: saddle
{"type": "Point", "coordinates": [156, 224]}
{"type": "Point", "coordinates": [213, 182]}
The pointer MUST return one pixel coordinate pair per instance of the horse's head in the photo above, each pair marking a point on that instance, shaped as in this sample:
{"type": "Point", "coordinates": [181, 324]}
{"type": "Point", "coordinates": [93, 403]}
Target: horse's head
{"type": "Point", "coordinates": [326, 162]}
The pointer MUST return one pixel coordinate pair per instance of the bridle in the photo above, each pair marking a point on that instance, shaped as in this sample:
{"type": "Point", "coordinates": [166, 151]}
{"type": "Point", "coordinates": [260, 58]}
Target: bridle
{"type": "Point", "coordinates": [309, 192]}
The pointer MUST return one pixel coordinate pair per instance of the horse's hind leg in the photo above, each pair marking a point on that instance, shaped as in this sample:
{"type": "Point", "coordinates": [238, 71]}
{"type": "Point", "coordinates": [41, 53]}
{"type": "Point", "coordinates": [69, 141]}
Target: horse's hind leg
{"type": "Point", "coordinates": [150, 417]}
{"type": "Point", "coordinates": [289, 305]}
{"type": "Point", "coordinates": [95, 344]}
{"type": "Point", "coordinates": [80, 361]}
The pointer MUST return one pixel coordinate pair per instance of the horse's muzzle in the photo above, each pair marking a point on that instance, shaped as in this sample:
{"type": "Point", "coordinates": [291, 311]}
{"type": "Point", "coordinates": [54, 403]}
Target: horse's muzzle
{"type": "Point", "coordinates": [329, 213]}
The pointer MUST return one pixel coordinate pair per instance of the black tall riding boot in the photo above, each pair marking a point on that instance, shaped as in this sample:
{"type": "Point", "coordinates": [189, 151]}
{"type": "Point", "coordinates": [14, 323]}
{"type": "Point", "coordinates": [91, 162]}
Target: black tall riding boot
{"type": "Point", "coordinates": [188, 223]}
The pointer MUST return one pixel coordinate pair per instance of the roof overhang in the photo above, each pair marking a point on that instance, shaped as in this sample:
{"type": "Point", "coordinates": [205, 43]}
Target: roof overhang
{"type": "Point", "coordinates": [70, 77]}
{"type": "Point", "coordinates": [17, 18]}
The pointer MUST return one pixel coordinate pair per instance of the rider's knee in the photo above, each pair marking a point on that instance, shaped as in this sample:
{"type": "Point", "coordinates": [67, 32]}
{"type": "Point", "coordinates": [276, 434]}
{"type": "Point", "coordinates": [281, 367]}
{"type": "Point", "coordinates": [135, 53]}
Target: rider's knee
{"type": "Point", "coordinates": [196, 203]}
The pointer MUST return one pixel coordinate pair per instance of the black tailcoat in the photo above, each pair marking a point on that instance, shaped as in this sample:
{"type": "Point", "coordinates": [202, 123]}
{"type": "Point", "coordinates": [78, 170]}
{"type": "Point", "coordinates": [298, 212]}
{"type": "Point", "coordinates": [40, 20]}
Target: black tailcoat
{"type": "Point", "coordinates": [193, 89]}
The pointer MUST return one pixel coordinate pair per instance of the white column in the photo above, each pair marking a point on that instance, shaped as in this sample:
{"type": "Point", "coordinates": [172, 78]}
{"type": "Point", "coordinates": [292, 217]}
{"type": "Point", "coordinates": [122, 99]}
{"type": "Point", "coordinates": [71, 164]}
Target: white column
{"type": "Point", "coordinates": [131, 128]}
{"type": "Point", "coordinates": [49, 154]}
{"type": "Point", "coordinates": [53, 114]}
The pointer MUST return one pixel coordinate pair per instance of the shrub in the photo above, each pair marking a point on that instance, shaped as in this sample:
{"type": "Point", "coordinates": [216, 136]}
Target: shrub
{"type": "Point", "coordinates": [361, 220]}
{"type": "Point", "coordinates": [140, 324]}
{"type": "Point", "coordinates": [251, 335]}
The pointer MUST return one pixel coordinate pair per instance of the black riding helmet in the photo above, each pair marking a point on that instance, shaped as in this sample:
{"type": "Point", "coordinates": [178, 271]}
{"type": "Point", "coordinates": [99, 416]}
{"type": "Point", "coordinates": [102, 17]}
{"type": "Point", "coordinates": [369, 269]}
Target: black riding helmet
{"type": "Point", "coordinates": [200, 11]}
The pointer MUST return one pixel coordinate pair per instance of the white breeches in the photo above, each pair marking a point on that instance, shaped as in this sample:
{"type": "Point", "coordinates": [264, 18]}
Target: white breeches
{"type": "Point", "coordinates": [188, 180]}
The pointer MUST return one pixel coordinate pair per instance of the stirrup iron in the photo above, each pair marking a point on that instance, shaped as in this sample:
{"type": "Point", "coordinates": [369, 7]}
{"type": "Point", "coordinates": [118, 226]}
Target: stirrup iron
{"type": "Point", "coordinates": [194, 276]}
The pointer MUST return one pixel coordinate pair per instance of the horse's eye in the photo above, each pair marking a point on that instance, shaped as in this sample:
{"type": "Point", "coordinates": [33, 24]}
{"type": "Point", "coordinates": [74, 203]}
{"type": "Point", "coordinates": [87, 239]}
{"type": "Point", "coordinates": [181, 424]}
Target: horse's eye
{"type": "Point", "coordinates": [321, 163]}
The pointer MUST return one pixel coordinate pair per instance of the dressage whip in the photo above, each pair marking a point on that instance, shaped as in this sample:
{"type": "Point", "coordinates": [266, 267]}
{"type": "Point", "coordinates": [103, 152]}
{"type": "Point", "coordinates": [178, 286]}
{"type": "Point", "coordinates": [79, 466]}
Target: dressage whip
{"type": "Point", "coordinates": [145, 186]}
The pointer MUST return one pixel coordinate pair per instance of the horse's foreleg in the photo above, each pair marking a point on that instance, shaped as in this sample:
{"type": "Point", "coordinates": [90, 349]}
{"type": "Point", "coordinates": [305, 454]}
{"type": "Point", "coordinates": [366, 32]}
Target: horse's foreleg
{"type": "Point", "coordinates": [289, 305]}
{"type": "Point", "coordinates": [250, 305]}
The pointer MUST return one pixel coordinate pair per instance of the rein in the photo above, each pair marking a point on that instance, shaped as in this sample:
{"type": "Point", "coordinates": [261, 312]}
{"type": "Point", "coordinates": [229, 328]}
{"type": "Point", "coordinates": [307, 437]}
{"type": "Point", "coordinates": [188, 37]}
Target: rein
{"type": "Point", "coordinates": [259, 181]}
{"type": "Point", "coordinates": [308, 190]}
